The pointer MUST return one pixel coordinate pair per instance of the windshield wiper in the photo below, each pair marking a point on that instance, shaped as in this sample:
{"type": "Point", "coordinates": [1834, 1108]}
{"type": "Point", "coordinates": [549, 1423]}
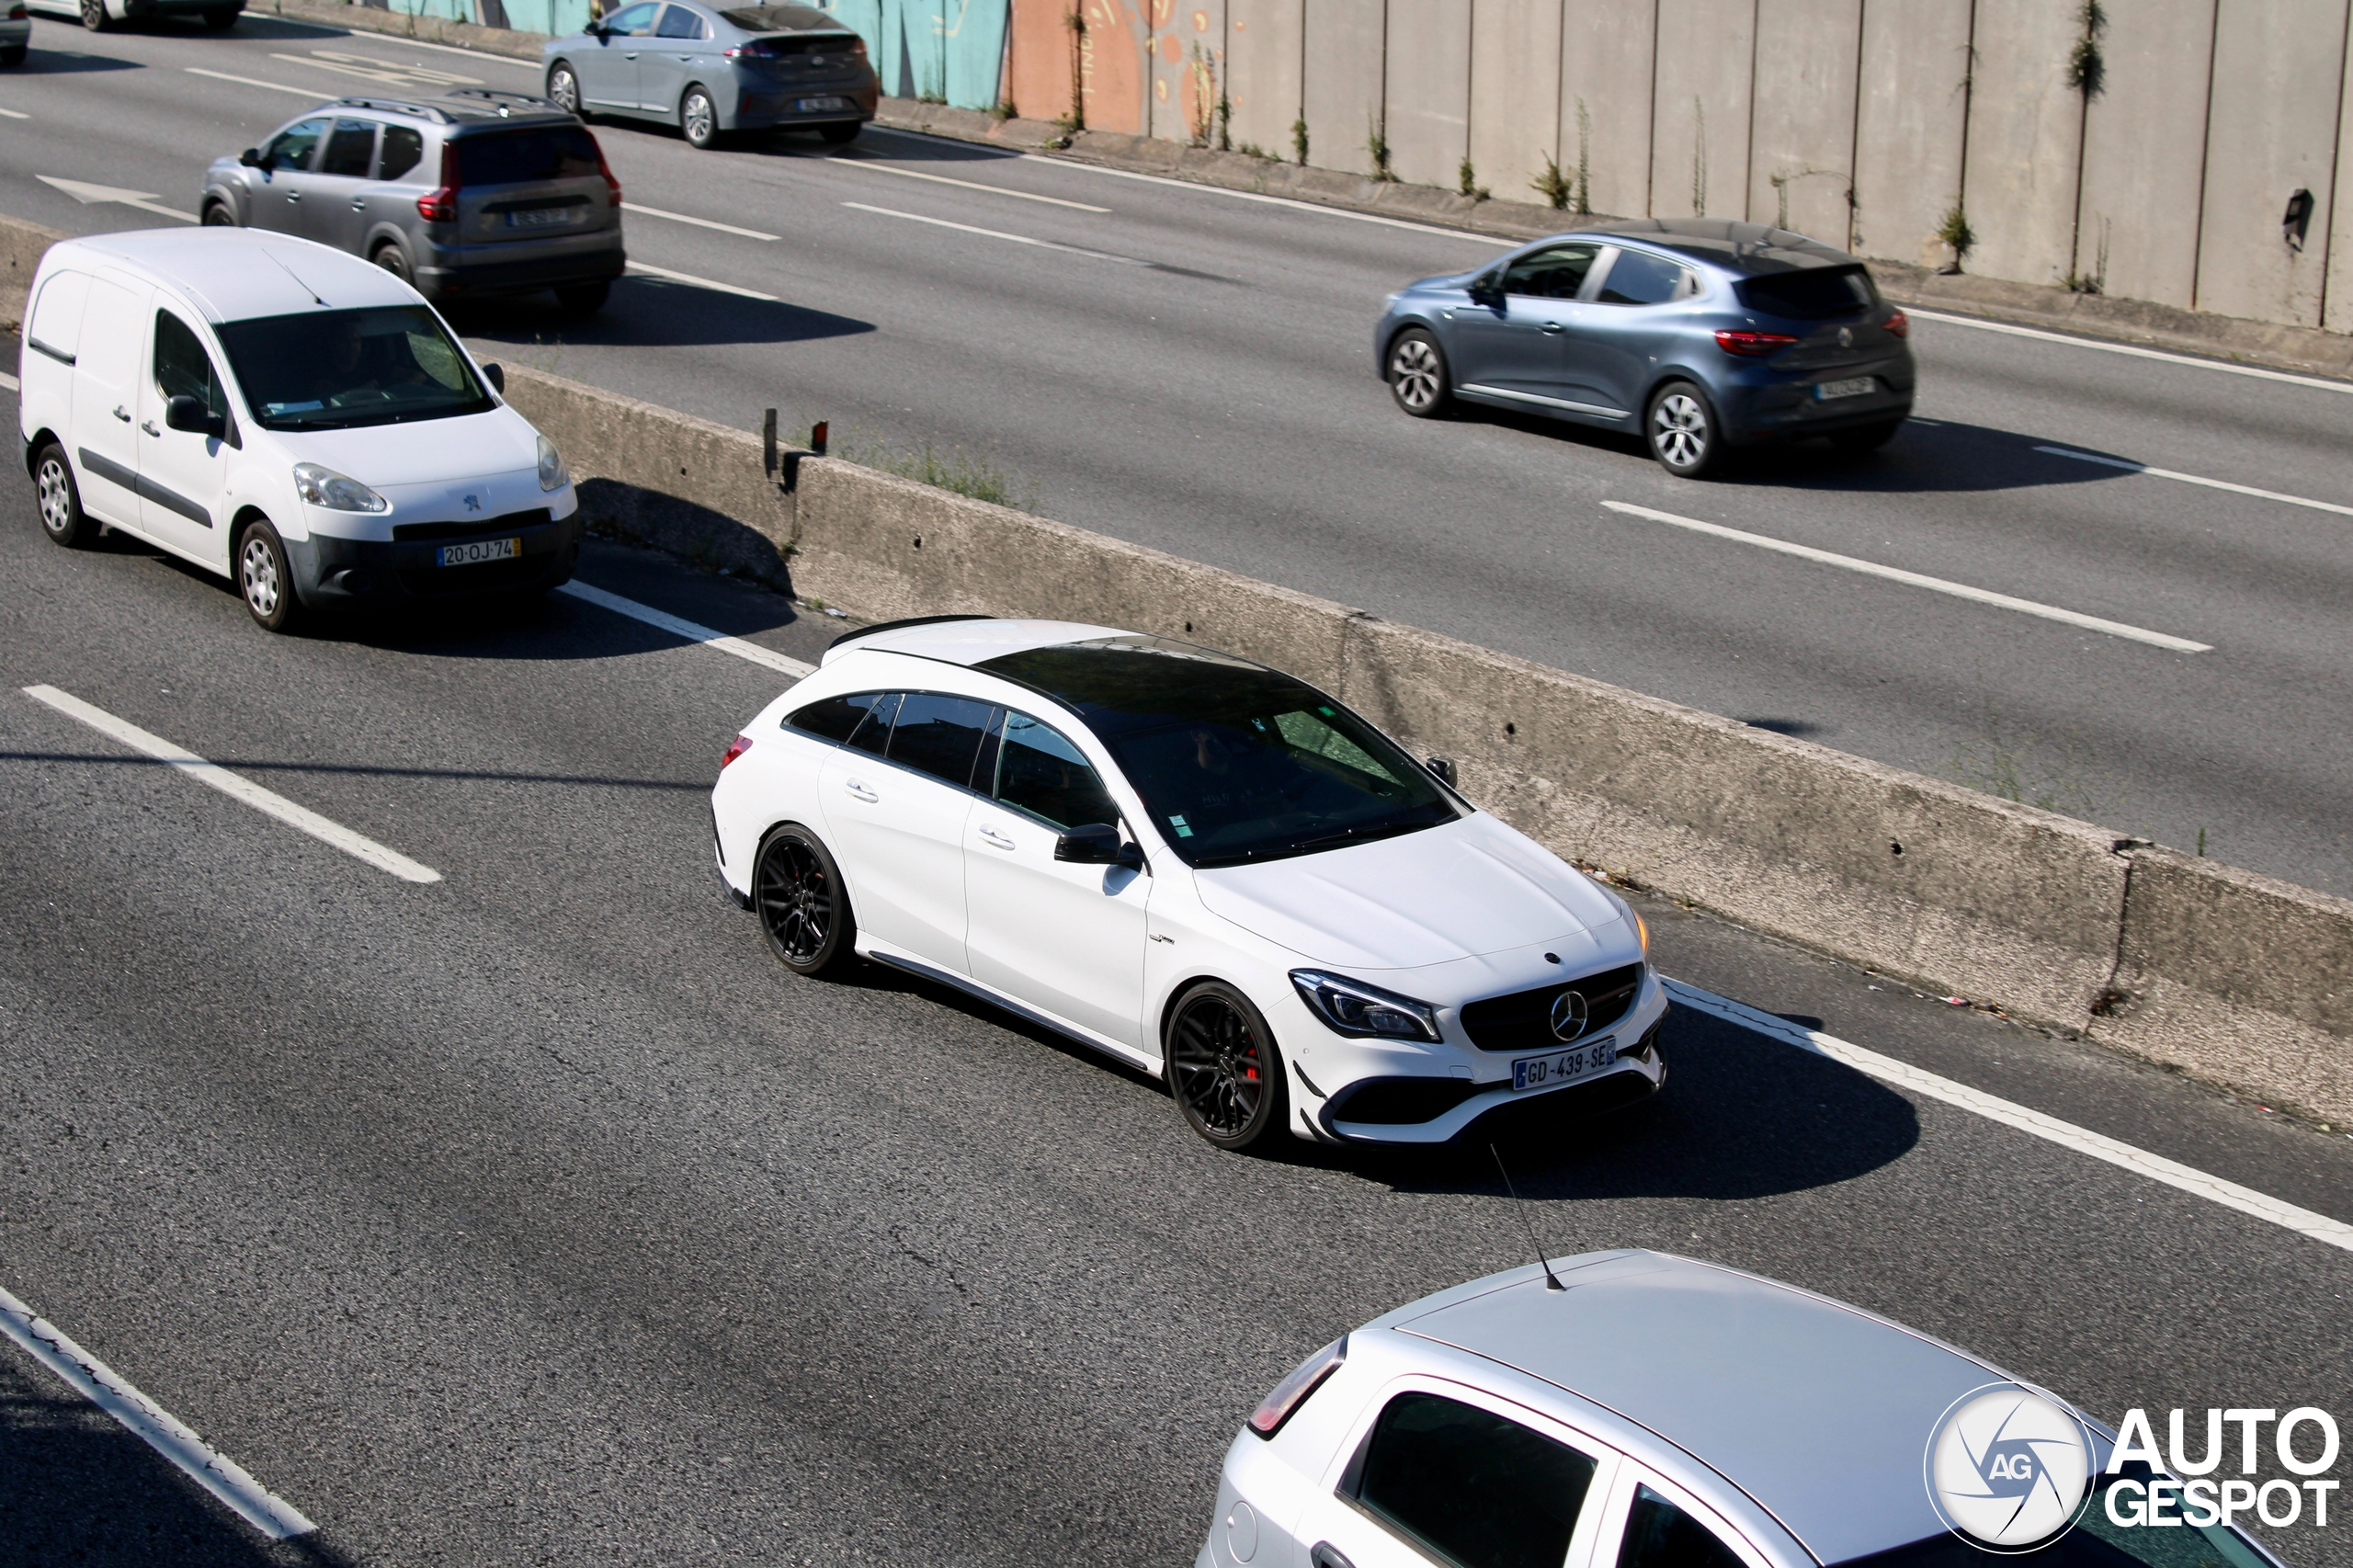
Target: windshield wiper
{"type": "Point", "coordinates": [1364, 834]}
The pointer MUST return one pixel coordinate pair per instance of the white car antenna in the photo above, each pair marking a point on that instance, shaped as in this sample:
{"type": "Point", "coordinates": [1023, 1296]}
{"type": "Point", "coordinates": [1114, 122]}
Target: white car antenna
{"type": "Point", "coordinates": [1552, 1281]}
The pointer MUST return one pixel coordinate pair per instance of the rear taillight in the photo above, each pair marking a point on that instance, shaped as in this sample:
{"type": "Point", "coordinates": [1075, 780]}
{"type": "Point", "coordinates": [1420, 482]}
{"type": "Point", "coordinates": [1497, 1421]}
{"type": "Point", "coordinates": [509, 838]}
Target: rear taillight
{"type": "Point", "coordinates": [1899, 326]}
{"type": "Point", "coordinates": [441, 205]}
{"type": "Point", "coordinates": [1293, 1391]}
{"type": "Point", "coordinates": [1753, 344]}
{"type": "Point", "coordinates": [606, 169]}
{"type": "Point", "coordinates": [735, 748]}
{"type": "Point", "coordinates": [18, 13]}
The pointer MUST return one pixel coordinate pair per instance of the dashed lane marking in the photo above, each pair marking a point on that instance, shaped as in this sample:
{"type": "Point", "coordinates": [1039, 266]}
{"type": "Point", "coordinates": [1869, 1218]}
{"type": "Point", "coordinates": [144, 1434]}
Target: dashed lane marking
{"type": "Point", "coordinates": [236, 786]}
{"type": "Point", "coordinates": [698, 223]}
{"type": "Point", "coordinates": [648, 269]}
{"type": "Point", "coordinates": [2136, 352]}
{"type": "Point", "coordinates": [2129, 466]}
{"type": "Point", "coordinates": [997, 234]}
{"type": "Point", "coordinates": [880, 167]}
{"type": "Point", "coordinates": [678, 626]}
{"type": "Point", "coordinates": [102, 1386]}
{"type": "Point", "coordinates": [311, 93]}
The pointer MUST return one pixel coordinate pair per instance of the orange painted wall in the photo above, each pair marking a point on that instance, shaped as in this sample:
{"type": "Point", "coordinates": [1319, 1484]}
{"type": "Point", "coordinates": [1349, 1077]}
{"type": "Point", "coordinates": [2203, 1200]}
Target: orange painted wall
{"type": "Point", "coordinates": [1111, 56]}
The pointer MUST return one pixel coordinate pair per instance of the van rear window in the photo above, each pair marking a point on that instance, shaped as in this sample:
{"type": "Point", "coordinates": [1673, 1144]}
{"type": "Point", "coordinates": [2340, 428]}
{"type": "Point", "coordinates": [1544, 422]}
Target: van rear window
{"type": "Point", "coordinates": [540, 151]}
{"type": "Point", "coordinates": [1811, 293]}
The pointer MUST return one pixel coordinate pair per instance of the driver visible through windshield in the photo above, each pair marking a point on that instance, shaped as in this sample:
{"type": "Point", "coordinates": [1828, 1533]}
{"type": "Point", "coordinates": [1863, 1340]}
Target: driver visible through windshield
{"type": "Point", "coordinates": [1236, 763]}
{"type": "Point", "coordinates": [334, 370]}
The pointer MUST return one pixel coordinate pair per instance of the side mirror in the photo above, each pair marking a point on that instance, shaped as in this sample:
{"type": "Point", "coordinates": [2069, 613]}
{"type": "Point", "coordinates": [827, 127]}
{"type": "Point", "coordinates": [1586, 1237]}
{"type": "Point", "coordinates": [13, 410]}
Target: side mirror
{"type": "Point", "coordinates": [1444, 767]}
{"type": "Point", "coordinates": [1097, 844]}
{"type": "Point", "coordinates": [250, 157]}
{"type": "Point", "coordinates": [599, 31]}
{"type": "Point", "coordinates": [188, 413]}
{"type": "Point", "coordinates": [496, 374]}
{"type": "Point", "coordinates": [1488, 290]}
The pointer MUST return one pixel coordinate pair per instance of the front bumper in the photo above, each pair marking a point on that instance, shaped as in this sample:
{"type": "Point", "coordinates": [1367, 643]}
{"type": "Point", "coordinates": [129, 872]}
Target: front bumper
{"type": "Point", "coordinates": [329, 571]}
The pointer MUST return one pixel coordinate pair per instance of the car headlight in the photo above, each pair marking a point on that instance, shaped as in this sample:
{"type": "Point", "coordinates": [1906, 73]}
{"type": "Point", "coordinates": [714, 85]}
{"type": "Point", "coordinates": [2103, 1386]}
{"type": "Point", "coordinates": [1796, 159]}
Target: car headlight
{"type": "Point", "coordinates": [1365, 1012]}
{"type": "Point", "coordinates": [322, 486]}
{"type": "Point", "coordinates": [554, 475]}
{"type": "Point", "coordinates": [1642, 929]}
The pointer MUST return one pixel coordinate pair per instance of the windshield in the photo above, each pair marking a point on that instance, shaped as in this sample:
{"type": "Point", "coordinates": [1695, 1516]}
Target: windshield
{"type": "Point", "coordinates": [2096, 1542]}
{"type": "Point", "coordinates": [333, 369]}
{"type": "Point", "coordinates": [1235, 762]}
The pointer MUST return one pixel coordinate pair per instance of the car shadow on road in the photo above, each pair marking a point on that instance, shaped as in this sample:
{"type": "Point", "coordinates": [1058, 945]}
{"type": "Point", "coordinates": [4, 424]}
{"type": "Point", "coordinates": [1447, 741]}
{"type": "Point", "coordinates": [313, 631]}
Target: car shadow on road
{"type": "Point", "coordinates": [646, 313]}
{"type": "Point", "coordinates": [50, 61]}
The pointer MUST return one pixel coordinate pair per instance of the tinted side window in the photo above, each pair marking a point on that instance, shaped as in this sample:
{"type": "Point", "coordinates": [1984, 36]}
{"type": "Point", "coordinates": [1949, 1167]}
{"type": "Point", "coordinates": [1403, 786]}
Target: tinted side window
{"type": "Point", "coordinates": [403, 149]}
{"type": "Point", "coordinates": [291, 148]}
{"type": "Point", "coordinates": [833, 718]}
{"type": "Point", "coordinates": [940, 736]}
{"type": "Point", "coordinates": [1636, 278]}
{"type": "Point", "coordinates": [1556, 272]}
{"type": "Point", "coordinates": [1478, 1490]}
{"type": "Point", "coordinates": [1041, 772]}
{"type": "Point", "coordinates": [182, 367]}
{"type": "Point", "coordinates": [1660, 1535]}
{"type": "Point", "coordinates": [679, 22]}
{"type": "Point", "coordinates": [350, 149]}
{"type": "Point", "coordinates": [874, 736]}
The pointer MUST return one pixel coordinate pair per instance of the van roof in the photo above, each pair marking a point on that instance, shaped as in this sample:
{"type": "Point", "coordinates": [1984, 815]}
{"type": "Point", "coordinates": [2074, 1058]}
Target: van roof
{"type": "Point", "coordinates": [236, 274]}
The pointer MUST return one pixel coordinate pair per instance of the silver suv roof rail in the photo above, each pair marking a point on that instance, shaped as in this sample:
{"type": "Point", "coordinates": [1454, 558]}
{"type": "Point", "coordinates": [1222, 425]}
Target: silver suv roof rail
{"type": "Point", "coordinates": [505, 100]}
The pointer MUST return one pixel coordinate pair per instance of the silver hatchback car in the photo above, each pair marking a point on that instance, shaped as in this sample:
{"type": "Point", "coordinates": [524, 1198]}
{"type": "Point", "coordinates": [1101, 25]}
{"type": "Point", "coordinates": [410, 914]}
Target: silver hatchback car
{"type": "Point", "coordinates": [711, 71]}
{"type": "Point", "coordinates": [1648, 1411]}
{"type": "Point", "coordinates": [1699, 334]}
{"type": "Point", "coordinates": [473, 194]}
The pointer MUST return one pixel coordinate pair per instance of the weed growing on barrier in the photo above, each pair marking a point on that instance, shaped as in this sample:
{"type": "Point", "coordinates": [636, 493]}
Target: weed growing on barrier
{"type": "Point", "coordinates": [1956, 232]}
{"type": "Point", "coordinates": [1376, 144]}
{"type": "Point", "coordinates": [952, 469]}
{"type": "Point", "coordinates": [1552, 185]}
{"type": "Point", "coordinates": [1466, 179]}
{"type": "Point", "coordinates": [1299, 140]}
{"type": "Point", "coordinates": [2002, 762]}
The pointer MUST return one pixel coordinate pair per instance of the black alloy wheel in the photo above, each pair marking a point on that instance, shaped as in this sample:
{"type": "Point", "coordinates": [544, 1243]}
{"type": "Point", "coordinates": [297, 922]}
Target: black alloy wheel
{"type": "Point", "coordinates": [699, 120]}
{"type": "Point", "coordinates": [1419, 377]}
{"type": "Point", "coordinates": [564, 88]}
{"type": "Point", "coordinates": [804, 911]}
{"type": "Point", "coordinates": [94, 15]}
{"type": "Point", "coordinates": [1681, 430]}
{"type": "Point", "coordinates": [217, 216]}
{"type": "Point", "coordinates": [1223, 1069]}
{"type": "Point", "coordinates": [265, 578]}
{"type": "Point", "coordinates": [62, 518]}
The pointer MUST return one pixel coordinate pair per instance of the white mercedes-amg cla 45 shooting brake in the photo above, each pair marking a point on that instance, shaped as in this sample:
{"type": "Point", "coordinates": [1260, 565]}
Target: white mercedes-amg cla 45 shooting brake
{"type": "Point", "coordinates": [1194, 863]}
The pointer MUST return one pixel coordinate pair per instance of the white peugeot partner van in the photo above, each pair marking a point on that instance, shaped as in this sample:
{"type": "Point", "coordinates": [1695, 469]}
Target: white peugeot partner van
{"type": "Point", "coordinates": [287, 416]}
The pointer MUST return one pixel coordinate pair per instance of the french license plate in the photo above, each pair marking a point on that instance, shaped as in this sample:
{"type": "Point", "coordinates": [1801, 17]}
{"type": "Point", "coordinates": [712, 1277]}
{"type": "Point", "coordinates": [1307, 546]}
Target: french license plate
{"type": "Point", "coordinates": [1854, 386]}
{"type": "Point", "coordinates": [477, 551]}
{"type": "Point", "coordinates": [543, 217]}
{"type": "Point", "coordinates": [1563, 1067]}
{"type": "Point", "coordinates": [818, 106]}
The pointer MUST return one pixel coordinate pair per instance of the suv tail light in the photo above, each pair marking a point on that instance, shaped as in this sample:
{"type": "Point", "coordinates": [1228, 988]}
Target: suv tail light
{"type": "Point", "coordinates": [1899, 326]}
{"type": "Point", "coordinates": [1753, 344]}
{"type": "Point", "coordinates": [441, 205]}
{"type": "Point", "coordinates": [606, 169]}
{"type": "Point", "coordinates": [736, 748]}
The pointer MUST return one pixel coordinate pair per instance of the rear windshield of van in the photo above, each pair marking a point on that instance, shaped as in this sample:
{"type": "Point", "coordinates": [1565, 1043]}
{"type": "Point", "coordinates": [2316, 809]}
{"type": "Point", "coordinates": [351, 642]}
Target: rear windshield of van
{"type": "Point", "coordinates": [335, 369]}
{"type": "Point", "coordinates": [540, 151]}
{"type": "Point", "coordinates": [1811, 293]}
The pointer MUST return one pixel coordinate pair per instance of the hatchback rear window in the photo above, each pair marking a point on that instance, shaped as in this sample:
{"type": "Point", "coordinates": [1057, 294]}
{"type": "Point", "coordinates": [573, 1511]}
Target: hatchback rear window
{"type": "Point", "coordinates": [510, 157]}
{"type": "Point", "coordinates": [780, 19]}
{"type": "Point", "coordinates": [1811, 293]}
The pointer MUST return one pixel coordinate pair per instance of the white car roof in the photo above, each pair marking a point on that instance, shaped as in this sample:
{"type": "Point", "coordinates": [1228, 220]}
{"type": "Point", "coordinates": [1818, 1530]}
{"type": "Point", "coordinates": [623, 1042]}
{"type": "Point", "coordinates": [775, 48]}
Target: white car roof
{"type": "Point", "coordinates": [969, 641]}
{"type": "Point", "coordinates": [235, 274]}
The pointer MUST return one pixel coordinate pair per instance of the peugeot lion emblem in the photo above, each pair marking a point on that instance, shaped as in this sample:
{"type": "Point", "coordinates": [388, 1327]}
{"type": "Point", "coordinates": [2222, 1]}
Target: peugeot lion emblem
{"type": "Point", "coordinates": [473, 502]}
{"type": "Point", "coordinates": [1846, 338]}
{"type": "Point", "coordinates": [1568, 1016]}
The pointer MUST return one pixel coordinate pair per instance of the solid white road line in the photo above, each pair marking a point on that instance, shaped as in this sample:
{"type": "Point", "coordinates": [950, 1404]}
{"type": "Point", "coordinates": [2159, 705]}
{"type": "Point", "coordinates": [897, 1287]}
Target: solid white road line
{"type": "Point", "coordinates": [235, 785]}
{"type": "Point", "coordinates": [313, 94]}
{"type": "Point", "coordinates": [1936, 584]}
{"type": "Point", "coordinates": [2138, 353]}
{"type": "Point", "coordinates": [98, 1383]}
{"type": "Point", "coordinates": [423, 78]}
{"type": "Point", "coordinates": [698, 223]}
{"type": "Point", "coordinates": [877, 164]}
{"type": "Point", "coordinates": [2099, 1146]}
{"type": "Point", "coordinates": [13, 114]}
{"type": "Point", "coordinates": [687, 277]}
{"type": "Point", "coordinates": [997, 234]}
{"type": "Point", "coordinates": [8, 380]}
{"type": "Point", "coordinates": [394, 40]}
{"type": "Point", "coordinates": [1277, 200]}
{"type": "Point", "coordinates": [680, 627]}
{"type": "Point", "coordinates": [2131, 467]}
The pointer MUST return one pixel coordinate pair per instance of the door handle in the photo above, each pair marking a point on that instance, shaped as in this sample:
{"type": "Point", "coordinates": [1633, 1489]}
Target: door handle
{"type": "Point", "coordinates": [860, 791]}
{"type": "Point", "coordinates": [1326, 1555]}
{"type": "Point", "coordinates": [122, 414]}
{"type": "Point", "coordinates": [360, 205]}
{"type": "Point", "coordinates": [1551, 329]}
{"type": "Point", "coordinates": [996, 839]}
{"type": "Point", "coordinates": [149, 425]}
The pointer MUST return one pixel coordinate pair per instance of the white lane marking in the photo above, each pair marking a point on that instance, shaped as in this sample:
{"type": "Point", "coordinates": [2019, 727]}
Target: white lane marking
{"type": "Point", "coordinates": [880, 165]}
{"type": "Point", "coordinates": [1278, 201]}
{"type": "Point", "coordinates": [91, 195]}
{"type": "Point", "coordinates": [392, 41]}
{"type": "Point", "coordinates": [1914, 579]}
{"type": "Point", "coordinates": [236, 786]}
{"type": "Point", "coordinates": [8, 380]}
{"type": "Point", "coordinates": [2098, 1145]}
{"type": "Point", "coordinates": [2138, 353]}
{"type": "Point", "coordinates": [2129, 466]}
{"type": "Point", "coordinates": [690, 278]}
{"type": "Point", "coordinates": [411, 77]}
{"type": "Point", "coordinates": [997, 234]}
{"type": "Point", "coordinates": [102, 1386]}
{"type": "Point", "coordinates": [678, 626]}
{"type": "Point", "coordinates": [313, 94]}
{"type": "Point", "coordinates": [13, 114]}
{"type": "Point", "coordinates": [698, 223]}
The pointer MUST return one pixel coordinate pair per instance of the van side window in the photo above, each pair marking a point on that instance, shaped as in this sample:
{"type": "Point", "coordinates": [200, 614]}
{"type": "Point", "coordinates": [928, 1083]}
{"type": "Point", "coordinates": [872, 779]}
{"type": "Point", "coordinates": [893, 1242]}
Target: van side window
{"type": "Point", "coordinates": [1660, 1535]}
{"type": "Point", "coordinates": [403, 150]}
{"type": "Point", "coordinates": [291, 148]}
{"type": "Point", "coordinates": [350, 150]}
{"type": "Point", "coordinates": [1469, 1486]}
{"type": "Point", "coordinates": [182, 367]}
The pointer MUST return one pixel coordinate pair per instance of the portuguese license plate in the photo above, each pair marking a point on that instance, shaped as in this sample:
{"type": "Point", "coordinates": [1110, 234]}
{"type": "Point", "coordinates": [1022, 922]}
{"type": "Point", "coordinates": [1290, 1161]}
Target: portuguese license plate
{"type": "Point", "coordinates": [818, 106]}
{"type": "Point", "coordinates": [478, 551]}
{"type": "Point", "coordinates": [1564, 1067]}
{"type": "Point", "coordinates": [1854, 386]}
{"type": "Point", "coordinates": [544, 216]}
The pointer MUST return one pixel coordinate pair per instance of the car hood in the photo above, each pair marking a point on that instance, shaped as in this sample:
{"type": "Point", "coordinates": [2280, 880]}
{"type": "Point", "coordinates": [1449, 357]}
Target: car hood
{"type": "Point", "coordinates": [1470, 888]}
{"type": "Point", "coordinates": [428, 451]}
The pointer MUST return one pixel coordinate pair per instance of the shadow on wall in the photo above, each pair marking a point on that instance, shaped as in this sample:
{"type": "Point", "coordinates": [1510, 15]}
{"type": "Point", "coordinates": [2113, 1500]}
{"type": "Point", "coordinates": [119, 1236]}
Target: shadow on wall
{"type": "Point", "coordinates": [648, 312]}
{"type": "Point", "coordinates": [708, 539]}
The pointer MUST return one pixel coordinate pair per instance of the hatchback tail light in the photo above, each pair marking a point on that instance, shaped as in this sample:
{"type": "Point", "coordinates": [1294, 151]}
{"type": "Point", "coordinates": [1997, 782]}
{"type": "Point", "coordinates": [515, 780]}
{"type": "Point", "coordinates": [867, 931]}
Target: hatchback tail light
{"type": "Point", "coordinates": [1899, 326]}
{"type": "Point", "coordinates": [735, 748]}
{"type": "Point", "coordinates": [17, 13]}
{"type": "Point", "coordinates": [441, 205]}
{"type": "Point", "coordinates": [606, 169]}
{"type": "Point", "coordinates": [1293, 1391]}
{"type": "Point", "coordinates": [1753, 344]}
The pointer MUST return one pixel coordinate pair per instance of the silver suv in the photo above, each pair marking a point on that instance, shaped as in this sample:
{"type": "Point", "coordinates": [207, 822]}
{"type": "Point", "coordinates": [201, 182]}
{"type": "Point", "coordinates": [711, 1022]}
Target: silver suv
{"type": "Point", "coordinates": [477, 193]}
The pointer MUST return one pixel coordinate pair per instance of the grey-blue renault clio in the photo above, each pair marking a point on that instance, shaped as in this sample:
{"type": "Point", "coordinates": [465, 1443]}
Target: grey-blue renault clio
{"type": "Point", "coordinates": [1700, 334]}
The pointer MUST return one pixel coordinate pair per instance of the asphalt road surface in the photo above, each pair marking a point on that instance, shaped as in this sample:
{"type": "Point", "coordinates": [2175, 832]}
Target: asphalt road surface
{"type": "Point", "coordinates": [536, 1215]}
{"type": "Point", "coordinates": [1192, 370]}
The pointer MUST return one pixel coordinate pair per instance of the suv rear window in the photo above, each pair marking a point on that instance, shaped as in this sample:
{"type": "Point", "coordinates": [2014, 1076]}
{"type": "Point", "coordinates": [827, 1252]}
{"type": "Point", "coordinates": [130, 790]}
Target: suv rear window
{"type": "Point", "coordinates": [510, 157]}
{"type": "Point", "coordinates": [1811, 293]}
